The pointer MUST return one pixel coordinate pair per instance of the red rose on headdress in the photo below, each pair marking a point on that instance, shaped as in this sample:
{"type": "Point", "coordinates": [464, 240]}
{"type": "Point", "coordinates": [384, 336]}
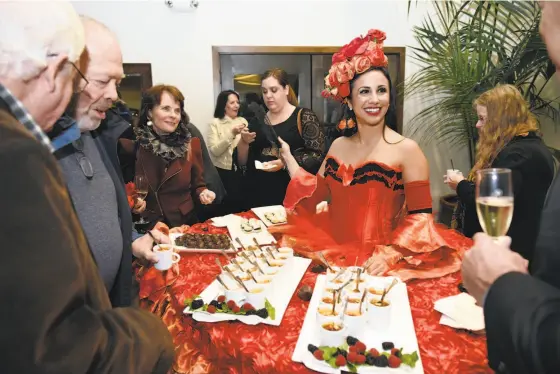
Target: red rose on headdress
{"type": "Point", "coordinates": [351, 49]}
{"type": "Point", "coordinates": [376, 57]}
{"type": "Point", "coordinates": [339, 57]}
{"type": "Point", "coordinates": [361, 64]}
{"type": "Point", "coordinates": [377, 34]}
{"type": "Point", "coordinates": [344, 72]}
{"type": "Point", "coordinates": [332, 82]}
{"type": "Point", "coordinates": [344, 89]}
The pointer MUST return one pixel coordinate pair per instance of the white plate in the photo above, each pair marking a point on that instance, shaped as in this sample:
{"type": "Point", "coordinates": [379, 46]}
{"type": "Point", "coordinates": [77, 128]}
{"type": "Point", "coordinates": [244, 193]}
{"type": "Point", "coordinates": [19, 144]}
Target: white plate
{"type": "Point", "coordinates": [224, 220]}
{"type": "Point", "coordinates": [179, 248]}
{"type": "Point", "coordinates": [401, 332]}
{"type": "Point", "coordinates": [279, 294]}
{"type": "Point", "coordinates": [262, 211]}
{"type": "Point", "coordinates": [263, 165]}
{"type": "Point", "coordinates": [263, 237]}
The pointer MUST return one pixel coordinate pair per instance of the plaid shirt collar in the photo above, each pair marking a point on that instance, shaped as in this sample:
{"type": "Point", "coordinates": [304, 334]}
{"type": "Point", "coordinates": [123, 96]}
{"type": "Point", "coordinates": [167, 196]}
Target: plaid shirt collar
{"type": "Point", "coordinates": [22, 115]}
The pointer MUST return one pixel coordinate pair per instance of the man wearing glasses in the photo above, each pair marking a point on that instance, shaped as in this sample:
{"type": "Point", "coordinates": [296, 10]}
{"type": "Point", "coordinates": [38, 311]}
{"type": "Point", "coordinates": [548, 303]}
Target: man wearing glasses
{"type": "Point", "coordinates": [56, 314]}
{"type": "Point", "coordinates": [87, 154]}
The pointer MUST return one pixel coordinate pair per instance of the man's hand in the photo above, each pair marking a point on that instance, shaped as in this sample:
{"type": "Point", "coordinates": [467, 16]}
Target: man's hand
{"type": "Point", "coordinates": [486, 261]}
{"type": "Point", "coordinates": [207, 197]}
{"type": "Point", "coordinates": [142, 247]}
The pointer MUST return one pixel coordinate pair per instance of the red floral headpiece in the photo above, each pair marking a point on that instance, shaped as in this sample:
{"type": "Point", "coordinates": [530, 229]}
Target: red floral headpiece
{"type": "Point", "coordinates": [356, 57]}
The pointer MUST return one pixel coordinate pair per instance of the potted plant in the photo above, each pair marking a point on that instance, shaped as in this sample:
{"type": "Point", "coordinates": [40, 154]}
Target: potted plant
{"type": "Point", "coordinates": [464, 49]}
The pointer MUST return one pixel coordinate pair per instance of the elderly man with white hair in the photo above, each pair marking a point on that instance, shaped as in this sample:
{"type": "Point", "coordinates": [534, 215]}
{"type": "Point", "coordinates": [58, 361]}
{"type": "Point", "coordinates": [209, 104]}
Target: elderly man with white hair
{"type": "Point", "coordinates": [56, 314]}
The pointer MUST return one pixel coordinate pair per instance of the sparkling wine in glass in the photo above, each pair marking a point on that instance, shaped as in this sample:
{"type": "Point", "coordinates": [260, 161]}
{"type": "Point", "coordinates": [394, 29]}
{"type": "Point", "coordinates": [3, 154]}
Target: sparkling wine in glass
{"type": "Point", "coordinates": [141, 184]}
{"type": "Point", "coordinates": [494, 201]}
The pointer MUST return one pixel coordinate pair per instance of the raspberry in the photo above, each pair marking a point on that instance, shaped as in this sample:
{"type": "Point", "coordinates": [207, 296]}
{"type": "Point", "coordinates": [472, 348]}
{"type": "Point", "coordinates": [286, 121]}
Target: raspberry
{"type": "Point", "coordinates": [247, 307]}
{"type": "Point", "coordinates": [318, 354]}
{"type": "Point", "coordinates": [211, 309]}
{"type": "Point", "coordinates": [387, 345]}
{"type": "Point", "coordinates": [340, 360]}
{"type": "Point", "coordinates": [221, 298]}
{"type": "Point", "coordinates": [360, 347]}
{"type": "Point", "coordinates": [361, 359]}
{"type": "Point", "coordinates": [394, 361]}
{"type": "Point", "coordinates": [352, 348]}
{"type": "Point", "coordinates": [396, 352]}
{"type": "Point", "coordinates": [231, 304]}
{"type": "Point", "coordinates": [374, 352]}
{"type": "Point", "coordinates": [352, 357]}
{"type": "Point", "coordinates": [351, 340]}
{"type": "Point", "coordinates": [236, 309]}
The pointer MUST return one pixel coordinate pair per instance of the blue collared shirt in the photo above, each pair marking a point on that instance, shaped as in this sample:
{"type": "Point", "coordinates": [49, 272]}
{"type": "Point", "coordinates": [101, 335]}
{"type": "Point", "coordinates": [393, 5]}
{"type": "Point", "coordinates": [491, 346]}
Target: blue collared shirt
{"type": "Point", "coordinates": [22, 116]}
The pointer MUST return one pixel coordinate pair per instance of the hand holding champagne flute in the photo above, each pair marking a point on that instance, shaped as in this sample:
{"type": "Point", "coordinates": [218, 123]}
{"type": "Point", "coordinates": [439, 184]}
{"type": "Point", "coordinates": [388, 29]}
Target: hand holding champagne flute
{"type": "Point", "coordinates": [494, 201]}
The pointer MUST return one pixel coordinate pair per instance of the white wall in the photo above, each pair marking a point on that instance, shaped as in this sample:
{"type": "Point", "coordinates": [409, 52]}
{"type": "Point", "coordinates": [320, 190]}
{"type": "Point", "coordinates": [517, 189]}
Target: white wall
{"type": "Point", "coordinates": [178, 45]}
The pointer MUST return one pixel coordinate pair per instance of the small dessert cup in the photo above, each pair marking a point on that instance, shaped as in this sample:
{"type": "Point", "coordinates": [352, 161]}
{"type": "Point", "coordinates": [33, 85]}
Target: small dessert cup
{"type": "Point", "coordinates": [379, 313]}
{"type": "Point", "coordinates": [332, 332]}
{"type": "Point", "coordinates": [354, 319]}
{"type": "Point", "coordinates": [325, 312]}
{"type": "Point", "coordinates": [256, 296]}
{"type": "Point", "coordinates": [286, 251]}
{"type": "Point", "coordinates": [331, 274]}
{"type": "Point", "coordinates": [237, 295]}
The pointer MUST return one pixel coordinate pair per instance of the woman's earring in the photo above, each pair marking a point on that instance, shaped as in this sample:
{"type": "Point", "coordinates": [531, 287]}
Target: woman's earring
{"type": "Point", "coordinates": [150, 123]}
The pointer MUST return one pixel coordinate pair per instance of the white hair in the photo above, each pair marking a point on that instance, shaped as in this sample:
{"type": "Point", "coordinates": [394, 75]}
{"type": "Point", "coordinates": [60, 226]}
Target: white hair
{"type": "Point", "coordinates": [31, 32]}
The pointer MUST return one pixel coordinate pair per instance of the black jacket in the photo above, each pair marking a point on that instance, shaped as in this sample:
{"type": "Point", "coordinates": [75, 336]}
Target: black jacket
{"type": "Point", "coordinates": [106, 138]}
{"type": "Point", "coordinates": [532, 168]}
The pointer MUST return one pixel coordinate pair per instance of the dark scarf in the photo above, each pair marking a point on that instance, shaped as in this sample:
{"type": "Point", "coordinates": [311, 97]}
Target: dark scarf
{"type": "Point", "coordinates": [169, 147]}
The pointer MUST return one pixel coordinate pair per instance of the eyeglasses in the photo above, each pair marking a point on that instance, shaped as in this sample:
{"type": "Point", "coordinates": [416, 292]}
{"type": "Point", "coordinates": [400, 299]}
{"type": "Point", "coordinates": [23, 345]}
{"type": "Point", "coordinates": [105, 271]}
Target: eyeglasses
{"type": "Point", "coordinates": [82, 83]}
{"type": "Point", "coordinates": [82, 159]}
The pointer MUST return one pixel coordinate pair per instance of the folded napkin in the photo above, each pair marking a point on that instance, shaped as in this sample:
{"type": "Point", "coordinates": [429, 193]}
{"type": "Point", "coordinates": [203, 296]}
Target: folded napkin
{"type": "Point", "coordinates": [223, 221]}
{"type": "Point", "coordinates": [460, 312]}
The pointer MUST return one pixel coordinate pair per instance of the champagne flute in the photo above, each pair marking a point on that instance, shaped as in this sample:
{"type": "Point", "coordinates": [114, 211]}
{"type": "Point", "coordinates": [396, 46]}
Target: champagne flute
{"type": "Point", "coordinates": [141, 184]}
{"type": "Point", "coordinates": [494, 201]}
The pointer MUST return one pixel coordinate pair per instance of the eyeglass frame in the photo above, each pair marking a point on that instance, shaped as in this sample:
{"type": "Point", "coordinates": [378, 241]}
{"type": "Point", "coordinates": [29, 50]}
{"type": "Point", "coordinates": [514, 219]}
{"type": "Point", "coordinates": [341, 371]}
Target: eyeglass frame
{"type": "Point", "coordinates": [82, 76]}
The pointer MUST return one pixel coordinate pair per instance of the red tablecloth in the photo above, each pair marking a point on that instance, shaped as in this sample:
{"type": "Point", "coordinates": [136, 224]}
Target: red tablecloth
{"type": "Point", "coordinates": [232, 347]}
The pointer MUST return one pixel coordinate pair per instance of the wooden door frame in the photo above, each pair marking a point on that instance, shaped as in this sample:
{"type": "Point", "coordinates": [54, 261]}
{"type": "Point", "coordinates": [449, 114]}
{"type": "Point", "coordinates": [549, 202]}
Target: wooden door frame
{"type": "Point", "coordinates": [263, 50]}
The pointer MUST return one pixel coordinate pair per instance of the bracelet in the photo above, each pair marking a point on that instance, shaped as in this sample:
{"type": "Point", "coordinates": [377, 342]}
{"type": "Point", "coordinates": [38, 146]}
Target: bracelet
{"type": "Point", "coordinates": [152, 236]}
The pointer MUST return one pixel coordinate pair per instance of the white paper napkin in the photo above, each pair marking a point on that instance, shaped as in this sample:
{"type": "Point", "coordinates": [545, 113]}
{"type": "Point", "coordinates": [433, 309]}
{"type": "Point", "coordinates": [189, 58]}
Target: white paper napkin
{"type": "Point", "coordinates": [460, 312]}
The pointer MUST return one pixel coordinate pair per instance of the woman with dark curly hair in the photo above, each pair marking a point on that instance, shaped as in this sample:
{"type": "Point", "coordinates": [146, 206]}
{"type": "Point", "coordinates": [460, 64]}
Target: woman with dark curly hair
{"type": "Point", "coordinates": [170, 158]}
{"type": "Point", "coordinates": [376, 180]}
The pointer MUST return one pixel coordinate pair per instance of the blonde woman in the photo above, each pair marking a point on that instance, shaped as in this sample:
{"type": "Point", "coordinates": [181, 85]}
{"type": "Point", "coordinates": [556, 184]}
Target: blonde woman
{"type": "Point", "coordinates": [223, 137]}
{"type": "Point", "coordinates": [508, 139]}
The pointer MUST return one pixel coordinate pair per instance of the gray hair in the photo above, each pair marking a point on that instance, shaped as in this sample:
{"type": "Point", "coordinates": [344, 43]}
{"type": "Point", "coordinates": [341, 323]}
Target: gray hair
{"type": "Point", "coordinates": [31, 32]}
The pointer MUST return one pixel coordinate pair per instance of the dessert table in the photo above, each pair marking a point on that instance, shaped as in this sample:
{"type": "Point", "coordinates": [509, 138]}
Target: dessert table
{"type": "Point", "coordinates": [236, 348]}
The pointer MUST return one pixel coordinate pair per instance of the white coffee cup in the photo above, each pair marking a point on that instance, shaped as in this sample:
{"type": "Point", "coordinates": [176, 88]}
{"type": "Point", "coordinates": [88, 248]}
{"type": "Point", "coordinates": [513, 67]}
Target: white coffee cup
{"type": "Point", "coordinates": [332, 338]}
{"type": "Point", "coordinates": [379, 315]}
{"type": "Point", "coordinates": [256, 296]}
{"type": "Point", "coordinates": [166, 257]}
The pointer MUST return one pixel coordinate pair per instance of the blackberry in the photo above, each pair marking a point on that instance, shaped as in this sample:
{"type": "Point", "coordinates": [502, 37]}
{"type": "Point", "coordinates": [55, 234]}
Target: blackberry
{"type": "Point", "coordinates": [214, 302]}
{"type": "Point", "coordinates": [311, 348]}
{"type": "Point", "coordinates": [197, 304]}
{"type": "Point", "coordinates": [387, 346]}
{"type": "Point", "coordinates": [263, 313]}
{"type": "Point", "coordinates": [219, 305]}
{"type": "Point", "coordinates": [251, 312]}
{"type": "Point", "coordinates": [381, 361]}
{"type": "Point", "coordinates": [351, 340]}
{"type": "Point", "coordinates": [370, 359]}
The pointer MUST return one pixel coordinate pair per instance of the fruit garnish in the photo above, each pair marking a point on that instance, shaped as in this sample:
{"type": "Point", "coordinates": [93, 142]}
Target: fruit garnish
{"type": "Point", "coordinates": [318, 354]}
{"type": "Point", "coordinates": [211, 309]}
{"type": "Point", "coordinates": [263, 313]}
{"type": "Point", "coordinates": [361, 359]}
{"type": "Point", "coordinates": [394, 361]}
{"type": "Point", "coordinates": [374, 352]}
{"type": "Point", "coordinates": [197, 304]}
{"type": "Point", "coordinates": [247, 307]}
{"type": "Point", "coordinates": [230, 304]}
{"type": "Point", "coordinates": [381, 361]}
{"type": "Point", "coordinates": [387, 346]}
{"type": "Point", "coordinates": [221, 298]}
{"type": "Point", "coordinates": [311, 348]}
{"type": "Point", "coordinates": [340, 361]}
{"type": "Point", "coordinates": [236, 309]}
{"type": "Point", "coordinates": [351, 340]}
{"type": "Point", "coordinates": [360, 347]}
{"type": "Point", "coordinates": [352, 357]}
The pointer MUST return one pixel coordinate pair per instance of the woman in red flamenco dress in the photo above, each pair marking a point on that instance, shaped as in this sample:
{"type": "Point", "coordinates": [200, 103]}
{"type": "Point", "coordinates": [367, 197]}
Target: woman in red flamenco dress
{"type": "Point", "coordinates": [375, 180]}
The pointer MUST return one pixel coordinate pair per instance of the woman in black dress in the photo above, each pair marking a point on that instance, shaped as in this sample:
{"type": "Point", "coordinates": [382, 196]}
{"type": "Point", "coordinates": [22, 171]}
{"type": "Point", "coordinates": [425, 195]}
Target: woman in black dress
{"type": "Point", "coordinates": [297, 126]}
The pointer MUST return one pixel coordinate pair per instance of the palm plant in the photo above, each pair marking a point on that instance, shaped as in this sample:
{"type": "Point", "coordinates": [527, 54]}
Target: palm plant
{"type": "Point", "coordinates": [468, 47]}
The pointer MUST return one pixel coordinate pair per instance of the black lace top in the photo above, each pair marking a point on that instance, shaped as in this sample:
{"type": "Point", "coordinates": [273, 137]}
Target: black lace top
{"type": "Point", "coordinates": [308, 148]}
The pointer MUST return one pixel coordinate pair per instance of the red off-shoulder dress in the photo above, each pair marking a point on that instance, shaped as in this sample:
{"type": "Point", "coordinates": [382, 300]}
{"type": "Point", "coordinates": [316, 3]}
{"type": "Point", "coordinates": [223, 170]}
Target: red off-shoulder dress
{"type": "Point", "coordinates": [371, 212]}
